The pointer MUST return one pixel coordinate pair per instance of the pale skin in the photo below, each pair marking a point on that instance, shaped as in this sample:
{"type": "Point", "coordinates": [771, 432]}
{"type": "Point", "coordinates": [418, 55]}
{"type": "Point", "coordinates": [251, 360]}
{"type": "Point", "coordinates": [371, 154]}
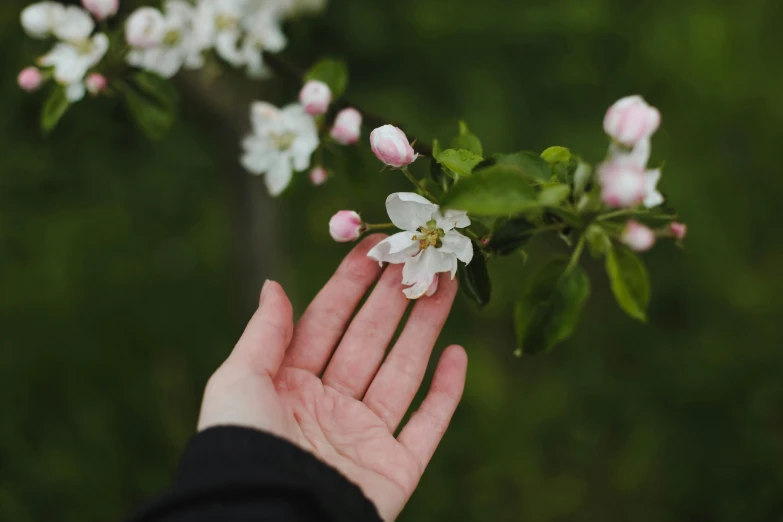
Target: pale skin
{"type": "Point", "coordinates": [324, 384]}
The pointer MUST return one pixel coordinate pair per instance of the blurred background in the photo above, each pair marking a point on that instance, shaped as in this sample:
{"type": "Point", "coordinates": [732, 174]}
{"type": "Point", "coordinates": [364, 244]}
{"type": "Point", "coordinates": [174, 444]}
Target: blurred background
{"type": "Point", "coordinates": [128, 268]}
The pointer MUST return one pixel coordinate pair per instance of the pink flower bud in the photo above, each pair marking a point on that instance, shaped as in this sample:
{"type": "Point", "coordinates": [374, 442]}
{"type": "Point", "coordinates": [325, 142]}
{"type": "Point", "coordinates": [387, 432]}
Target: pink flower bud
{"type": "Point", "coordinates": [101, 9]}
{"type": "Point", "coordinates": [390, 145]}
{"type": "Point", "coordinates": [637, 236]}
{"type": "Point", "coordinates": [345, 226]}
{"type": "Point", "coordinates": [622, 183]}
{"type": "Point", "coordinates": [145, 27]}
{"type": "Point", "coordinates": [96, 83]}
{"type": "Point", "coordinates": [631, 120]}
{"type": "Point", "coordinates": [678, 230]}
{"type": "Point", "coordinates": [433, 286]}
{"type": "Point", "coordinates": [347, 126]}
{"type": "Point", "coordinates": [315, 96]}
{"type": "Point", "coordinates": [318, 176]}
{"type": "Point", "coordinates": [29, 79]}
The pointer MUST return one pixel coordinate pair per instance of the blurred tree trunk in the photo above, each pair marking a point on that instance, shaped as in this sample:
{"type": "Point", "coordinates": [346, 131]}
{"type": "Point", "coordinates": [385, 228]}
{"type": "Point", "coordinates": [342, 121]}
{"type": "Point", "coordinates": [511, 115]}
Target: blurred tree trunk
{"type": "Point", "coordinates": [255, 213]}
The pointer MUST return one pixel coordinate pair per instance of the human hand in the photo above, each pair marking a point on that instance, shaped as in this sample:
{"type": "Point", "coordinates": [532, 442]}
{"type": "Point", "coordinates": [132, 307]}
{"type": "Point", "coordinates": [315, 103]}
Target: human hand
{"type": "Point", "coordinates": [324, 385]}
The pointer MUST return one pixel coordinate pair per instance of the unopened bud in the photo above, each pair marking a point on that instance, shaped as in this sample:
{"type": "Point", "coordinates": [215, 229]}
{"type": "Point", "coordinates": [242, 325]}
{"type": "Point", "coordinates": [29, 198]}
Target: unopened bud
{"type": "Point", "coordinates": [637, 236]}
{"type": "Point", "coordinates": [390, 145]}
{"type": "Point", "coordinates": [631, 120]}
{"type": "Point", "coordinates": [345, 226]}
{"type": "Point", "coordinates": [318, 176]}
{"type": "Point", "coordinates": [347, 126]}
{"type": "Point", "coordinates": [95, 83]}
{"type": "Point", "coordinates": [315, 96]}
{"type": "Point", "coordinates": [29, 79]}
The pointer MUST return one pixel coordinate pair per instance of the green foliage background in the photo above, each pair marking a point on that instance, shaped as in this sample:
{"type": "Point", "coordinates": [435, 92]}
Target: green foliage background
{"type": "Point", "coordinates": [126, 271]}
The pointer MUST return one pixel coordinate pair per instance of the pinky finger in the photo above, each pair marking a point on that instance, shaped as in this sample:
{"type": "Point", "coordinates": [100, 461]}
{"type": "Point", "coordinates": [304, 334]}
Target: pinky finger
{"type": "Point", "coordinates": [428, 424]}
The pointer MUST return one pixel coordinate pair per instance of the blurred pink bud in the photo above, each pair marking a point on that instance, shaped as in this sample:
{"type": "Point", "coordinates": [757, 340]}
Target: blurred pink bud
{"type": "Point", "coordinates": [631, 120]}
{"type": "Point", "coordinates": [433, 286]}
{"type": "Point", "coordinates": [622, 183]}
{"type": "Point", "coordinates": [29, 79]}
{"type": "Point", "coordinates": [145, 27]}
{"type": "Point", "coordinates": [101, 9]}
{"type": "Point", "coordinates": [390, 145]}
{"type": "Point", "coordinates": [318, 176]}
{"type": "Point", "coordinates": [347, 126]}
{"type": "Point", "coordinates": [637, 236]}
{"type": "Point", "coordinates": [315, 96]}
{"type": "Point", "coordinates": [96, 83]}
{"type": "Point", "coordinates": [345, 226]}
{"type": "Point", "coordinates": [678, 230]}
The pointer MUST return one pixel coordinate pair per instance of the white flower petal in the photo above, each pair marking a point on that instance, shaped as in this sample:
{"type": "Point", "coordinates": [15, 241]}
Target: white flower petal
{"type": "Point", "coordinates": [652, 197]}
{"type": "Point", "coordinates": [226, 47]}
{"type": "Point", "coordinates": [408, 210]}
{"type": "Point", "coordinates": [419, 271]}
{"type": "Point", "coordinates": [76, 25]}
{"type": "Point", "coordinates": [259, 155]}
{"type": "Point", "coordinates": [100, 44]}
{"type": "Point", "coordinates": [279, 176]}
{"type": "Point", "coordinates": [459, 245]}
{"type": "Point", "coordinates": [38, 20]}
{"type": "Point", "coordinates": [75, 92]}
{"type": "Point", "coordinates": [395, 249]}
{"type": "Point", "coordinates": [451, 219]}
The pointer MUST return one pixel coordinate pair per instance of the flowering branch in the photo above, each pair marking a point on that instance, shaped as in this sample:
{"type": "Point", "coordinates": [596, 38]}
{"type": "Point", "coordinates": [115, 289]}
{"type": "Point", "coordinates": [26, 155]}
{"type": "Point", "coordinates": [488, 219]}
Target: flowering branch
{"type": "Point", "coordinates": [614, 207]}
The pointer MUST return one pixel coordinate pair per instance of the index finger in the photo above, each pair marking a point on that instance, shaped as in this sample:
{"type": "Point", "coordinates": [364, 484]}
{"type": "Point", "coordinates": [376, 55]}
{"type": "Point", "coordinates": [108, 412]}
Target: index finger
{"type": "Point", "coordinates": [322, 326]}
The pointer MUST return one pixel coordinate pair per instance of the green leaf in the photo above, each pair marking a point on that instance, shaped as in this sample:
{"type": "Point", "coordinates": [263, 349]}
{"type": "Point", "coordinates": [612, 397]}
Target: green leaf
{"type": "Point", "coordinates": [511, 235]}
{"type": "Point", "coordinates": [597, 240]}
{"type": "Point", "coordinates": [493, 191]}
{"type": "Point", "coordinates": [550, 308]}
{"type": "Point", "coordinates": [333, 73]}
{"type": "Point", "coordinates": [554, 155]}
{"type": "Point", "coordinates": [151, 102]}
{"type": "Point", "coordinates": [562, 163]}
{"type": "Point", "coordinates": [530, 163]}
{"type": "Point", "coordinates": [474, 278]}
{"type": "Point", "coordinates": [553, 195]}
{"type": "Point", "coordinates": [467, 140]}
{"type": "Point", "coordinates": [460, 161]}
{"type": "Point", "coordinates": [630, 283]}
{"type": "Point", "coordinates": [54, 108]}
{"type": "Point", "coordinates": [436, 149]}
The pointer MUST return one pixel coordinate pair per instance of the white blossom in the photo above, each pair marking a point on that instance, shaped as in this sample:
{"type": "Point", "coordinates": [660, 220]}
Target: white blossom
{"type": "Point", "coordinates": [181, 46]}
{"type": "Point", "coordinates": [282, 141]}
{"type": "Point", "coordinates": [240, 30]}
{"type": "Point", "coordinates": [428, 245]}
{"type": "Point", "coordinates": [625, 179]}
{"type": "Point", "coordinates": [78, 49]}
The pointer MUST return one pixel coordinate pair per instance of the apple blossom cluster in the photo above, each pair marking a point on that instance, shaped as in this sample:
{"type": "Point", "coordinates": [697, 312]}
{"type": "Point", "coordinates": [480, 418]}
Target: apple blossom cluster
{"type": "Point", "coordinates": [624, 177]}
{"type": "Point", "coordinates": [78, 49]}
{"type": "Point", "coordinates": [282, 141]}
{"type": "Point", "coordinates": [467, 206]}
{"type": "Point", "coordinates": [473, 207]}
{"type": "Point", "coordinates": [161, 41]}
{"type": "Point", "coordinates": [179, 35]}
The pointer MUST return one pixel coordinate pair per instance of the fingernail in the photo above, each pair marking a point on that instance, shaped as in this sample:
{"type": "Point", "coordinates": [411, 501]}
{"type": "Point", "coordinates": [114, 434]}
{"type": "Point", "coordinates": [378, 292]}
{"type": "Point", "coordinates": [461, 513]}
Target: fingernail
{"type": "Point", "coordinates": [263, 292]}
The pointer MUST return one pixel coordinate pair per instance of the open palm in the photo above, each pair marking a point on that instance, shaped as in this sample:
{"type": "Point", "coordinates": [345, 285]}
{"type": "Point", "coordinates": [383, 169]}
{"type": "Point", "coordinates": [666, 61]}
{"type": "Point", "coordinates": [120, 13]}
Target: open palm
{"type": "Point", "coordinates": [325, 386]}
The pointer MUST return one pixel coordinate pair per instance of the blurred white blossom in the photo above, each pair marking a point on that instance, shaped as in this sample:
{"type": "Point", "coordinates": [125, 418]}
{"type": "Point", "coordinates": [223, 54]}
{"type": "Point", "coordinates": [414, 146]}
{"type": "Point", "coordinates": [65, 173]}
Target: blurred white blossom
{"type": "Point", "coordinates": [282, 141]}
{"type": "Point", "coordinates": [78, 49]}
{"type": "Point", "coordinates": [181, 44]}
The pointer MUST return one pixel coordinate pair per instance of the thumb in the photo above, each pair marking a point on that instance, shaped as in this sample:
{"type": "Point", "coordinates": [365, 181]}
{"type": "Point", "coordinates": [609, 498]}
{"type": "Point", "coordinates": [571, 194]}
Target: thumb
{"type": "Point", "coordinates": [266, 337]}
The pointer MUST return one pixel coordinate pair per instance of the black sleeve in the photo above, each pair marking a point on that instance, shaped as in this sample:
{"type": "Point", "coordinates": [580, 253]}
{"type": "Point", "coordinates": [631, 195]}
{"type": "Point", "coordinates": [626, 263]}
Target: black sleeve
{"type": "Point", "coordinates": [236, 474]}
